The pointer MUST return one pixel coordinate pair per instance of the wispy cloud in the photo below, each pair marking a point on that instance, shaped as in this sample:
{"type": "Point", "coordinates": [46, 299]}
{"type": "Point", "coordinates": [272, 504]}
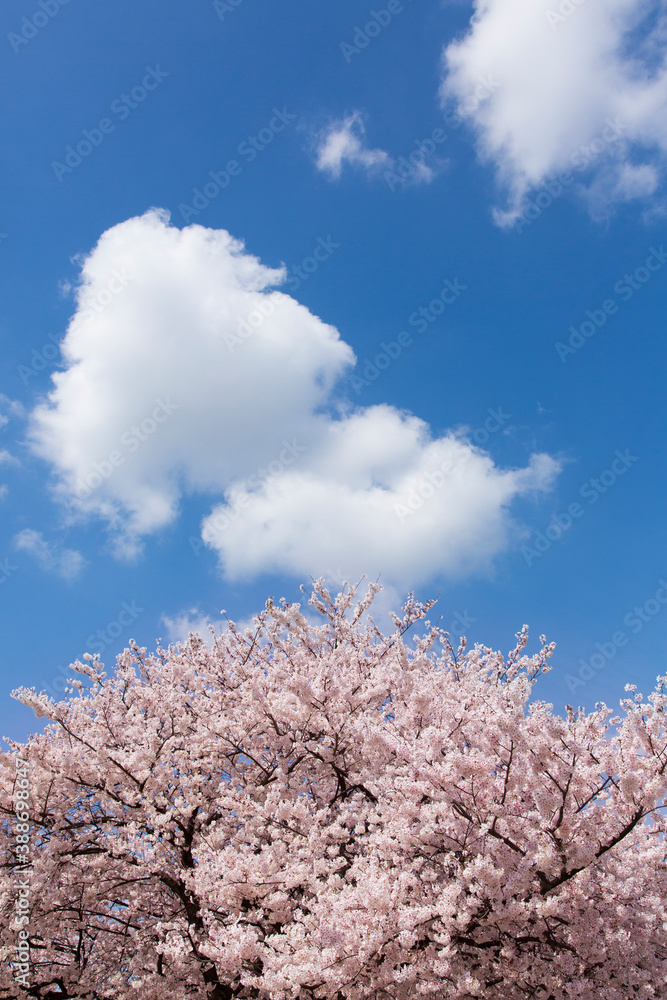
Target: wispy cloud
{"type": "Point", "coordinates": [9, 408]}
{"type": "Point", "coordinates": [67, 563]}
{"type": "Point", "coordinates": [345, 142]}
{"type": "Point", "coordinates": [180, 625]}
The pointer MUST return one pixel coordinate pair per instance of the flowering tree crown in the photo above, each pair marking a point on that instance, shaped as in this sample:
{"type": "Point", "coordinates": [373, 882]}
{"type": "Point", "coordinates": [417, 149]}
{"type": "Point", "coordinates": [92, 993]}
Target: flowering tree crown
{"type": "Point", "coordinates": [325, 811]}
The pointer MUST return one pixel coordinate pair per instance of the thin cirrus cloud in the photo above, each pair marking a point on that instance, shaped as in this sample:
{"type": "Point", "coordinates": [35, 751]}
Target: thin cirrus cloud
{"type": "Point", "coordinates": [344, 142]}
{"type": "Point", "coordinates": [580, 87]}
{"type": "Point", "coordinates": [201, 376]}
{"type": "Point", "coordinates": [66, 563]}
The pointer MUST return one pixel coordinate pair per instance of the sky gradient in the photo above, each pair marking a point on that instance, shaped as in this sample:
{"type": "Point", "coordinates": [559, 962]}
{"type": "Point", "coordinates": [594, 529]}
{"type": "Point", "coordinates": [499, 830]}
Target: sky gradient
{"type": "Point", "coordinates": [292, 292]}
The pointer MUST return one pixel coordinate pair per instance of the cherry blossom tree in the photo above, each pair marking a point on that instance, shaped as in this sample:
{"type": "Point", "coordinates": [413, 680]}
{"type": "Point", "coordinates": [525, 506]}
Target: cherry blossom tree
{"type": "Point", "coordinates": [324, 811]}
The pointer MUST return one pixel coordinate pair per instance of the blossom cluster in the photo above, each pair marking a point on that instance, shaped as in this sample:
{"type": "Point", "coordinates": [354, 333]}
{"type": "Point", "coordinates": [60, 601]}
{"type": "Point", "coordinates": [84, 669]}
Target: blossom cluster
{"type": "Point", "coordinates": [320, 810]}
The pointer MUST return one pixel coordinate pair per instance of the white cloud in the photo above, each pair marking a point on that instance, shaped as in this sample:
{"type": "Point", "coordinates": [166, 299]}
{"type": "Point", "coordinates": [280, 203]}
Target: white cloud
{"type": "Point", "coordinates": [583, 90]}
{"type": "Point", "coordinates": [67, 563]}
{"type": "Point", "coordinates": [238, 367]}
{"type": "Point", "coordinates": [6, 458]}
{"type": "Point", "coordinates": [345, 141]}
{"type": "Point", "coordinates": [379, 497]}
{"type": "Point", "coordinates": [309, 485]}
{"type": "Point", "coordinates": [12, 407]}
{"type": "Point", "coordinates": [180, 625]}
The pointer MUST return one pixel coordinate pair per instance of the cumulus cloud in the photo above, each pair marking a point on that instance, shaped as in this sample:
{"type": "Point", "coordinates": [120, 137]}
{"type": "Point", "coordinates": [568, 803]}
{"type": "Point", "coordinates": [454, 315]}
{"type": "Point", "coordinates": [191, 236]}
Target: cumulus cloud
{"type": "Point", "coordinates": [579, 85]}
{"type": "Point", "coordinates": [67, 563]}
{"type": "Point", "coordinates": [202, 377]}
{"type": "Point", "coordinates": [380, 496]}
{"type": "Point", "coordinates": [194, 375]}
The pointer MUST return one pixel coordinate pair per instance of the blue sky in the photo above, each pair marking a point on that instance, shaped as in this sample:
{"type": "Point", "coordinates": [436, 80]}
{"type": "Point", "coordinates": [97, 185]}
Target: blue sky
{"type": "Point", "coordinates": [509, 281]}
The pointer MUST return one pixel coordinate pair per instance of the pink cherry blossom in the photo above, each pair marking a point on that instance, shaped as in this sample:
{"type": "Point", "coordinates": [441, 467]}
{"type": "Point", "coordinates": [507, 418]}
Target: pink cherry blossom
{"type": "Point", "coordinates": [324, 811]}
